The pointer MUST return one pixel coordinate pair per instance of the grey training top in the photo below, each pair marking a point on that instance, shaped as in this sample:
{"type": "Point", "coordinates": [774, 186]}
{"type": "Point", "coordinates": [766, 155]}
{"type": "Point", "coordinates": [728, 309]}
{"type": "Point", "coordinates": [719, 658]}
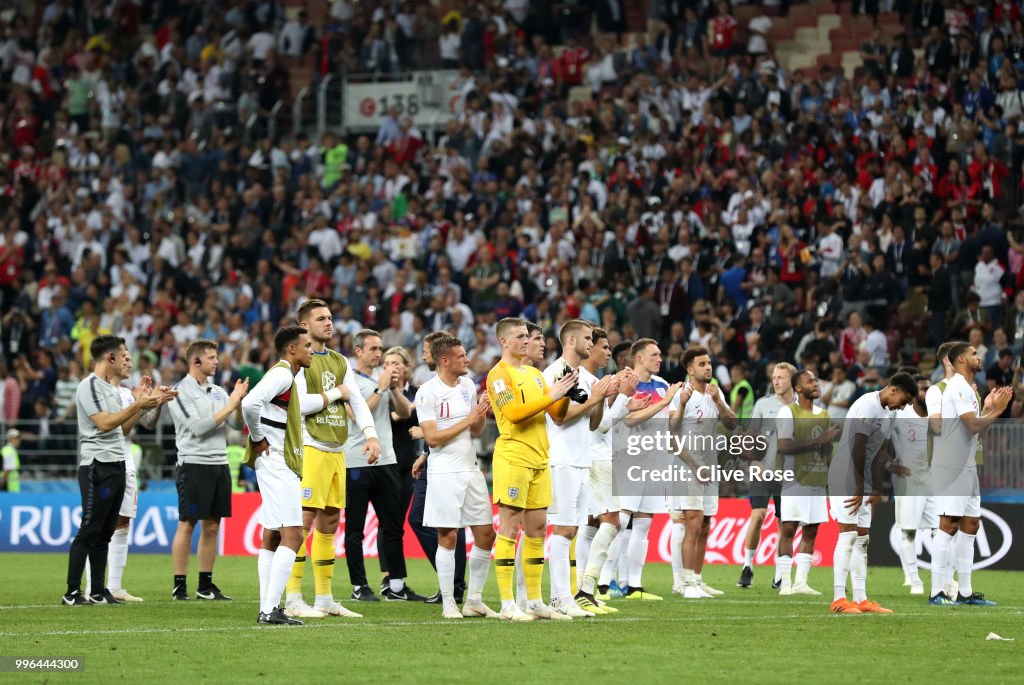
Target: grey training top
{"type": "Point", "coordinates": [95, 395]}
{"type": "Point", "coordinates": [198, 439]}
{"type": "Point", "coordinates": [354, 457]}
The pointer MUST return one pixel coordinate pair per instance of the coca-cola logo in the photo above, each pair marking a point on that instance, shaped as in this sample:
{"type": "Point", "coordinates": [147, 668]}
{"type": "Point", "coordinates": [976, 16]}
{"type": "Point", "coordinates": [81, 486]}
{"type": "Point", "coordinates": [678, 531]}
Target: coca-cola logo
{"type": "Point", "coordinates": [993, 542]}
{"type": "Point", "coordinates": [727, 540]}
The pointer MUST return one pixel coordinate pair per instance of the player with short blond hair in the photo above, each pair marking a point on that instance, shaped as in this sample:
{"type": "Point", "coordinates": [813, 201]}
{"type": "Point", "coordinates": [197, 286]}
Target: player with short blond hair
{"type": "Point", "coordinates": [570, 465]}
{"type": "Point", "coordinates": [520, 398]}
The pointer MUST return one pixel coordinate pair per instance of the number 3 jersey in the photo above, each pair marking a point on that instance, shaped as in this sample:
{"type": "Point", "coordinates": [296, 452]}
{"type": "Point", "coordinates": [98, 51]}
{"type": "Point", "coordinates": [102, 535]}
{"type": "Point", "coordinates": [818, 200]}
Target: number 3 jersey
{"type": "Point", "coordinates": [448, 405]}
{"type": "Point", "coordinates": [910, 442]}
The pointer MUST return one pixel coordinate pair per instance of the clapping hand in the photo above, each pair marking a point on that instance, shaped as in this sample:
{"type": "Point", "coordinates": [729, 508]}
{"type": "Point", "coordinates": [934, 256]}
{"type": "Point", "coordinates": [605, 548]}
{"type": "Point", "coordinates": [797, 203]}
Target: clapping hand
{"type": "Point", "coordinates": [238, 394]}
{"type": "Point", "coordinates": [564, 384]}
{"type": "Point", "coordinates": [482, 408]}
{"type": "Point", "coordinates": [628, 381]}
{"type": "Point", "coordinates": [638, 403]}
{"type": "Point", "coordinates": [606, 387]}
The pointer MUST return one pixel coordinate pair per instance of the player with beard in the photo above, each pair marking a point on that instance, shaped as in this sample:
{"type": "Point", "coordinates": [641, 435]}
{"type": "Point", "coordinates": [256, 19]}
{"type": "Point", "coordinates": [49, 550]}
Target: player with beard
{"type": "Point", "coordinates": [324, 432]}
{"type": "Point", "coordinates": [855, 479]}
{"type": "Point", "coordinates": [273, 416]}
{"type": "Point", "coordinates": [955, 474]}
{"type": "Point", "coordinates": [451, 416]}
{"type": "Point", "coordinates": [701, 408]}
{"type": "Point", "coordinates": [428, 536]}
{"type": "Point", "coordinates": [602, 530]}
{"type": "Point", "coordinates": [570, 465]}
{"type": "Point", "coordinates": [805, 439]}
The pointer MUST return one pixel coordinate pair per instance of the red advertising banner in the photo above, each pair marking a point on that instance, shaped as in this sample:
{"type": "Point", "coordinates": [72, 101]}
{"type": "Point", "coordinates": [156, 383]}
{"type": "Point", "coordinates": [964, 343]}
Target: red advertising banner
{"type": "Point", "coordinates": [241, 534]}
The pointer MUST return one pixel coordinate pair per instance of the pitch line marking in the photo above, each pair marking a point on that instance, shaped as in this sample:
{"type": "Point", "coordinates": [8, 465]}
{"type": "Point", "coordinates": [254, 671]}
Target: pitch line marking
{"type": "Point", "coordinates": [355, 623]}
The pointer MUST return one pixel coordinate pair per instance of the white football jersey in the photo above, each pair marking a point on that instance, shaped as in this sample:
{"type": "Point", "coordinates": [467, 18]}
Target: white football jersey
{"type": "Point", "coordinates": [763, 422]}
{"type": "Point", "coordinates": [448, 405]}
{"type": "Point", "coordinates": [956, 448]}
{"type": "Point", "coordinates": [127, 400]}
{"type": "Point", "coordinates": [866, 417]}
{"type": "Point", "coordinates": [700, 426]}
{"type": "Point", "coordinates": [567, 443]}
{"type": "Point", "coordinates": [910, 441]}
{"type": "Point", "coordinates": [601, 439]}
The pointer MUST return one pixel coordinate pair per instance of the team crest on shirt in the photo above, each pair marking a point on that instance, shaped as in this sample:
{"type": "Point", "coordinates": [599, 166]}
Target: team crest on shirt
{"type": "Point", "coordinates": [328, 380]}
{"type": "Point", "coordinates": [307, 493]}
{"type": "Point", "coordinates": [513, 493]}
{"type": "Point", "coordinates": [499, 386]}
{"type": "Point", "coordinates": [540, 382]}
{"type": "Point", "coordinates": [465, 395]}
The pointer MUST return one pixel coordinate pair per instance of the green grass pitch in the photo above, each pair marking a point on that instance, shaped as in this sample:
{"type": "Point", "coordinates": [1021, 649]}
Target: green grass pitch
{"type": "Point", "coordinates": [745, 636]}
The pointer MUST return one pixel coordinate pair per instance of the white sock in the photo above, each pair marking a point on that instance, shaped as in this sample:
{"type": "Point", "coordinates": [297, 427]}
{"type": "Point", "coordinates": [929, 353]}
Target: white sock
{"type": "Point", "coordinates": [626, 533]}
{"type": "Point", "coordinates": [611, 562]}
{"type": "Point", "coordinates": [479, 566]}
{"type": "Point", "coordinates": [841, 563]}
{"type": "Point", "coordinates": [444, 560]}
{"type": "Point", "coordinates": [88, 577]}
{"type": "Point", "coordinates": [584, 543]}
{"type": "Point", "coordinates": [784, 568]}
{"type": "Point", "coordinates": [520, 578]}
{"type": "Point", "coordinates": [676, 545]}
{"type": "Point", "coordinates": [322, 600]}
{"type": "Point", "coordinates": [117, 558]}
{"type": "Point", "coordinates": [965, 563]}
{"type": "Point", "coordinates": [508, 605]}
{"type": "Point", "coordinates": [622, 573]}
{"type": "Point", "coordinates": [803, 567]}
{"type": "Point", "coordinates": [689, 577]}
{"type": "Point", "coordinates": [748, 557]}
{"type": "Point", "coordinates": [263, 563]}
{"type": "Point", "coordinates": [280, 571]}
{"type": "Point", "coordinates": [606, 536]}
{"type": "Point", "coordinates": [942, 543]}
{"type": "Point", "coordinates": [638, 551]}
{"type": "Point", "coordinates": [396, 584]}
{"type": "Point", "coordinates": [778, 570]}
{"type": "Point", "coordinates": [908, 556]}
{"type": "Point", "coordinates": [859, 568]}
{"type": "Point", "coordinates": [558, 567]}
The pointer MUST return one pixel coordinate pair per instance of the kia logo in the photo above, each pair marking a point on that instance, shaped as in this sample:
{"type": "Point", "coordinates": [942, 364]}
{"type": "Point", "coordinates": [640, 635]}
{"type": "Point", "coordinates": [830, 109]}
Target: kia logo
{"type": "Point", "coordinates": [993, 541]}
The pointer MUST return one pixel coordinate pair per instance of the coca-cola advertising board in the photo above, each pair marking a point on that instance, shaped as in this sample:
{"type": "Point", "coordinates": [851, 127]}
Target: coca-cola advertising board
{"type": "Point", "coordinates": [48, 523]}
{"type": "Point", "coordinates": [32, 522]}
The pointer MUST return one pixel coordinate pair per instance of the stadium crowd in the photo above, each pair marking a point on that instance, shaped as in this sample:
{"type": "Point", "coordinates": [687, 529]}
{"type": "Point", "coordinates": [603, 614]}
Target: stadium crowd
{"type": "Point", "coordinates": [699, 193]}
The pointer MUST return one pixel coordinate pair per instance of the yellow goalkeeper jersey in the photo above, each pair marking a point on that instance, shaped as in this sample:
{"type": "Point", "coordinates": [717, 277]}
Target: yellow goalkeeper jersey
{"type": "Point", "coordinates": [508, 389]}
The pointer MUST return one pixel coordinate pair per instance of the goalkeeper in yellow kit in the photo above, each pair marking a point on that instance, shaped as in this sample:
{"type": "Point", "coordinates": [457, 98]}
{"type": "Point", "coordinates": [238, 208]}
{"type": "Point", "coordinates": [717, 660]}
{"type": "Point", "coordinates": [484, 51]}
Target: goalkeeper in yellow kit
{"type": "Point", "coordinates": [520, 397]}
